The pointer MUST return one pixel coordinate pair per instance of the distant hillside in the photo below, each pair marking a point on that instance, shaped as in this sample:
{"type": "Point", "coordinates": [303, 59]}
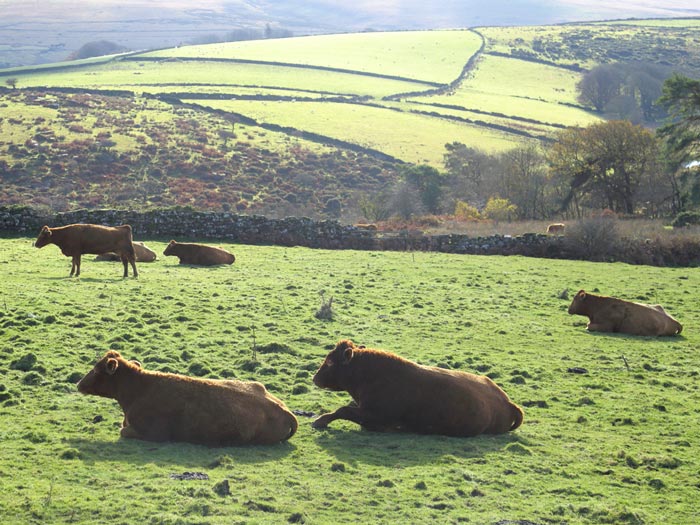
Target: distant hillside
{"type": "Point", "coordinates": [42, 32]}
{"type": "Point", "coordinates": [303, 123]}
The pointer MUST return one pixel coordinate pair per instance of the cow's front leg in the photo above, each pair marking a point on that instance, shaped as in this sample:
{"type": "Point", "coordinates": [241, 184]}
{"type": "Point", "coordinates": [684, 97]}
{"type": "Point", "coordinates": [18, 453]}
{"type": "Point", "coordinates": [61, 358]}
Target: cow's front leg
{"type": "Point", "coordinates": [600, 327]}
{"type": "Point", "coordinates": [356, 415]}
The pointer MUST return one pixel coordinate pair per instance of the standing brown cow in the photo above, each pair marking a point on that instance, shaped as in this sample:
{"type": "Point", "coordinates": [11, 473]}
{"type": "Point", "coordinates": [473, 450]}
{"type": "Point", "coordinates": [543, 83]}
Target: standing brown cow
{"type": "Point", "coordinates": [392, 394]}
{"type": "Point", "coordinates": [198, 254]}
{"type": "Point", "coordinates": [75, 240]}
{"type": "Point", "coordinates": [171, 407]}
{"type": "Point", "coordinates": [609, 314]}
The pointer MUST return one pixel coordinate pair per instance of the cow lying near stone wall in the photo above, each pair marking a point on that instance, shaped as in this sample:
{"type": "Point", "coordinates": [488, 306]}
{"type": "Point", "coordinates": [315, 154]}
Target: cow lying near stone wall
{"type": "Point", "coordinates": [198, 254]}
{"type": "Point", "coordinates": [392, 394]}
{"type": "Point", "coordinates": [75, 240]}
{"type": "Point", "coordinates": [608, 314]}
{"type": "Point", "coordinates": [171, 407]}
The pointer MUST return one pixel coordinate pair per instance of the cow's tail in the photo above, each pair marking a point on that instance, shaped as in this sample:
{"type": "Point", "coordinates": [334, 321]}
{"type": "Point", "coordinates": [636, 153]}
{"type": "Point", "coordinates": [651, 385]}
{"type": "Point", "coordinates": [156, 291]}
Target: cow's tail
{"type": "Point", "coordinates": [680, 328]}
{"type": "Point", "coordinates": [517, 417]}
{"type": "Point", "coordinates": [294, 425]}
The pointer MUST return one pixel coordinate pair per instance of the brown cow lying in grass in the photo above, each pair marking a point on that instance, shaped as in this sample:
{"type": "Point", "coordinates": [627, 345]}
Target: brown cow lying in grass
{"type": "Point", "coordinates": [392, 394]}
{"type": "Point", "coordinates": [143, 254]}
{"type": "Point", "coordinates": [171, 407]}
{"type": "Point", "coordinates": [75, 240]}
{"type": "Point", "coordinates": [199, 254]}
{"type": "Point", "coordinates": [608, 314]}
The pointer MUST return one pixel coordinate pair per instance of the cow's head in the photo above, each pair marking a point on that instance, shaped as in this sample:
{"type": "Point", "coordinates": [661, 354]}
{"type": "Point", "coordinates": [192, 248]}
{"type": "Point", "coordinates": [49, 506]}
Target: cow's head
{"type": "Point", "coordinates": [333, 372]}
{"type": "Point", "coordinates": [44, 237]}
{"type": "Point", "coordinates": [577, 304]}
{"type": "Point", "coordinates": [169, 248]}
{"type": "Point", "coordinates": [101, 380]}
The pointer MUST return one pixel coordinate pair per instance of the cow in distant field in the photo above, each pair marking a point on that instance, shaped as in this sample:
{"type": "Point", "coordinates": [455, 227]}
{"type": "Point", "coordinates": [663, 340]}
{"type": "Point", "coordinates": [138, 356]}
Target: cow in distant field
{"type": "Point", "coordinates": [392, 394]}
{"type": "Point", "coordinates": [75, 240]}
{"type": "Point", "coordinates": [557, 228]}
{"type": "Point", "coordinates": [198, 254]}
{"type": "Point", "coordinates": [171, 407]}
{"type": "Point", "coordinates": [608, 314]}
{"type": "Point", "coordinates": [143, 254]}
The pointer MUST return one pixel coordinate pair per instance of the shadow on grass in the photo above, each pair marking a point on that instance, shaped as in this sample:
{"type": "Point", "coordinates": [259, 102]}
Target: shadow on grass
{"type": "Point", "coordinates": [184, 454]}
{"type": "Point", "coordinates": [389, 449]}
{"type": "Point", "coordinates": [632, 337]}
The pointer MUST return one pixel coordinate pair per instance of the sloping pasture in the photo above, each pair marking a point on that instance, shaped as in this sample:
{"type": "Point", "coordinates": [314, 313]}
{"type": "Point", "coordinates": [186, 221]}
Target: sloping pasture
{"type": "Point", "coordinates": [612, 445]}
{"type": "Point", "coordinates": [432, 56]}
{"type": "Point", "coordinates": [150, 75]}
{"type": "Point", "coordinates": [519, 89]}
{"type": "Point", "coordinates": [406, 136]}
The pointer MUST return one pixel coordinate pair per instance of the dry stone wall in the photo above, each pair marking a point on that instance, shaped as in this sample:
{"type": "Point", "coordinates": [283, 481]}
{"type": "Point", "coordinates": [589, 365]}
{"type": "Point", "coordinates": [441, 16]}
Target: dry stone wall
{"type": "Point", "coordinates": [185, 224]}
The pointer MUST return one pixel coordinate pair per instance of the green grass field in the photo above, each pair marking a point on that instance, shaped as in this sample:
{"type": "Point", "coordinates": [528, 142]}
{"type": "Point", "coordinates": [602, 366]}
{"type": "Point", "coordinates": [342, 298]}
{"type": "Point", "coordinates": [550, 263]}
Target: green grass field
{"type": "Point", "coordinates": [614, 445]}
{"type": "Point", "coordinates": [409, 137]}
{"type": "Point", "coordinates": [431, 56]}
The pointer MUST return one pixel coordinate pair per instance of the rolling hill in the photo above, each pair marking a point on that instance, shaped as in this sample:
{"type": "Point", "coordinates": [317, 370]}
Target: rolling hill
{"type": "Point", "coordinates": [371, 101]}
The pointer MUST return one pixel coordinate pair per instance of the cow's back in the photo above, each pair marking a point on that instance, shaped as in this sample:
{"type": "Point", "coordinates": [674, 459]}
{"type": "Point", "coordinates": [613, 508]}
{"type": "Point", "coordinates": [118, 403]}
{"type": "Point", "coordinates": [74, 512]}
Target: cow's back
{"type": "Point", "coordinates": [201, 254]}
{"type": "Point", "coordinates": [216, 412]}
{"type": "Point", "coordinates": [459, 404]}
{"type": "Point", "coordinates": [96, 239]}
{"type": "Point", "coordinates": [644, 319]}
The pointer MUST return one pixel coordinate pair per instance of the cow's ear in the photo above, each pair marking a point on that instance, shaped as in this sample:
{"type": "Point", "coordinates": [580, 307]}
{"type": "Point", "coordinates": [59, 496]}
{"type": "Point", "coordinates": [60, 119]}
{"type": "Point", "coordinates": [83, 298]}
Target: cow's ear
{"type": "Point", "coordinates": [581, 294]}
{"type": "Point", "coordinates": [137, 363]}
{"type": "Point", "coordinates": [111, 365]}
{"type": "Point", "coordinates": [46, 229]}
{"type": "Point", "coordinates": [347, 355]}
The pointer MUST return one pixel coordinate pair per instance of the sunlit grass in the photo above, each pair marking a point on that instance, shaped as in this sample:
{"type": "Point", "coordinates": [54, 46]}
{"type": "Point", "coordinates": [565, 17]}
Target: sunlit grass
{"type": "Point", "coordinates": [613, 445]}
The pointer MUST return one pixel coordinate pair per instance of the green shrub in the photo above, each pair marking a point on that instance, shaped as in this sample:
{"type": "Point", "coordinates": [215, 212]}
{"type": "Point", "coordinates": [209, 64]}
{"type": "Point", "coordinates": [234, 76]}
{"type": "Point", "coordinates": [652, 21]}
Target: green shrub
{"type": "Point", "coordinates": [686, 218]}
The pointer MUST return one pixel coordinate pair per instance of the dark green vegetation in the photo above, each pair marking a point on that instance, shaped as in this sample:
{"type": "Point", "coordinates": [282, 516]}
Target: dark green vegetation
{"type": "Point", "coordinates": [612, 445]}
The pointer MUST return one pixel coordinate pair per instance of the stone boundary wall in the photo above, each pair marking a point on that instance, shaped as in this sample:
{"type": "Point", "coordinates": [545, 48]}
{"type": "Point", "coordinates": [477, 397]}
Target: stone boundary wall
{"type": "Point", "coordinates": [183, 225]}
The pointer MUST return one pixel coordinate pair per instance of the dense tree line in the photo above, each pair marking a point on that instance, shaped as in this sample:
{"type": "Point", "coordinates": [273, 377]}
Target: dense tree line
{"type": "Point", "coordinates": [625, 90]}
{"type": "Point", "coordinates": [615, 165]}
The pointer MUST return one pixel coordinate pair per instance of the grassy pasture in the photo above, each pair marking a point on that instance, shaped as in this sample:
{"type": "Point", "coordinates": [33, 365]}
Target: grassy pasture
{"type": "Point", "coordinates": [520, 89]}
{"type": "Point", "coordinates": [614, 445]}
{"type": "Point", "coordinates": [409, 137]}
{"type": "Point", "coordinates": [114, 75]}
{"type": "Point", "coordinates": [432, 56]}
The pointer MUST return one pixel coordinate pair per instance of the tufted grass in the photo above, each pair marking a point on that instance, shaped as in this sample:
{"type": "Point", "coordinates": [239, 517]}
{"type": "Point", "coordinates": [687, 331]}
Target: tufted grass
{"type": "Point", "coordinates": [615, 445]}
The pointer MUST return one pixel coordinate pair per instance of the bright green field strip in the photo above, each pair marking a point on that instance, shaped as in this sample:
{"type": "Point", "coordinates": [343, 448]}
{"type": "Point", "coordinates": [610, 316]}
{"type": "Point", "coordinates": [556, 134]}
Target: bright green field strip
{"type": "Point", "coordinates": [518, 88]}
{"type": "Point", "coordinates": [614, 445]}
{"type": "Point", "coordinates": [515, 106]}
{"type": "Point", "coordinates": [58, 65]}
{"type": "Point", "coordinates": [409, 137]}
{"type": "Point", "coordinates": [117, 74]}
{"type": "Point", "coordinates": [233, 91]}
{"type": "Point", "coordinates": [434, 56]}
{"type": "Point", "coordinates": [518, 78]}
{"type": "Point", "coordinates": [533, 128]}
{"type": "Point", "coordinates": [520, 107]}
